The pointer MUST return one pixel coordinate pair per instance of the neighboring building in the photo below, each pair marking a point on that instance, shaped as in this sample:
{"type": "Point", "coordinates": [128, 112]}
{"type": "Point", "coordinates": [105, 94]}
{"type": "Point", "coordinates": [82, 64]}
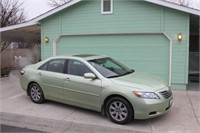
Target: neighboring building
{"type": "Point", "coordinates": [142, 34]}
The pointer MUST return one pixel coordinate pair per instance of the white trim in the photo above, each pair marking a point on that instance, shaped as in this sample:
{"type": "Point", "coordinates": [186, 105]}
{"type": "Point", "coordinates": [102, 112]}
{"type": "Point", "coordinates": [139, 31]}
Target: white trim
{"type": "Point", "coordinates": [170, 58]}
{"type": "Point", "coordinates": [18, 26]}
{"type": "Point", "coordinates": [175, 6]}
{"type": "Point", "coordinates": [111, 7]}
{"type": "Point", "coordinates": [54, 44]}
{"type": "Point", "coordinates": [148, 33]}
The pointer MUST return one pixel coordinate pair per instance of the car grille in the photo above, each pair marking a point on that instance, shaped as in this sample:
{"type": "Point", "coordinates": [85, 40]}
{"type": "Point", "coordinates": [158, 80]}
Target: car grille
{"type": "Point", "coordinates": [166, 94]}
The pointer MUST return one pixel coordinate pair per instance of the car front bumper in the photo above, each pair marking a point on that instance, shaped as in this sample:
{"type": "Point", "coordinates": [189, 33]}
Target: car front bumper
{"type": "Point", "coordinates": [152, 108]}
{"type": "Point", "coordinates": [149, 108]}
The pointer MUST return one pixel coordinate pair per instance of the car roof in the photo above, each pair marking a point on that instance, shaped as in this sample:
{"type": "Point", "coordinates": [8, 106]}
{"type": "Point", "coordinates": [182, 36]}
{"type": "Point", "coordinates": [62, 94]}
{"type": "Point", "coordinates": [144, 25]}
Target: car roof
{"type": "Point", "coordinates": [82, 56]}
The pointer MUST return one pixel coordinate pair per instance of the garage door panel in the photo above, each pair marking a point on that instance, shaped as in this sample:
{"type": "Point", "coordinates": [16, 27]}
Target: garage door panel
{"type": "Point", "coordinates": [146, 53]}
{"type": "Point", "coordinates": [149, 66]}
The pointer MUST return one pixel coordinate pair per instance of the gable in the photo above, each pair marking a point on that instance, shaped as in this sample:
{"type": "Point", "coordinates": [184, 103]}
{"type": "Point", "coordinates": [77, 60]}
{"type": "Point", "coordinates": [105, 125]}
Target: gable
{"type": "Point", "coordinates": [37, 20]}
{"type": "Point", "coordinates": [155, 2]}
{"type": "Point", "coordinates": [86, 17]}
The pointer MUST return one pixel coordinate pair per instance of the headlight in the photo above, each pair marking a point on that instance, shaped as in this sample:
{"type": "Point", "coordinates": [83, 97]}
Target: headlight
{"type": "Point", "coordinates": [146, 95]}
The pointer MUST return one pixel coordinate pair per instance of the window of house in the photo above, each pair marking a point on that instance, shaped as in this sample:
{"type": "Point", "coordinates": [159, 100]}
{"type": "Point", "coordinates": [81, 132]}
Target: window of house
{"type": "Point", "coordinates": [106, 6]}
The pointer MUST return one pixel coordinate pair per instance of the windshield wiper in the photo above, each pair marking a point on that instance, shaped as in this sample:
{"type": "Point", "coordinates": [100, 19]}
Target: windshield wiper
{"type": "Point", "coordinates": [129, 72]}
{"type": "Point", "coordinates": [113, 76]}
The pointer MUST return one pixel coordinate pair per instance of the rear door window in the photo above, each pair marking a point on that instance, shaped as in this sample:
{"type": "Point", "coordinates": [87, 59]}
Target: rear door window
{"type": "Point", "coordinates": [57, 65]}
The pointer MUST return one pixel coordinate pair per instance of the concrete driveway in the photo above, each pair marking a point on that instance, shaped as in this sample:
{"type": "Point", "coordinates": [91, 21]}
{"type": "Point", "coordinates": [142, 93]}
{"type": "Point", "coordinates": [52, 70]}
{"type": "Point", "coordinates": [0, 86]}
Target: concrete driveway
{"type": "Point", "coordinates": [17, 109]}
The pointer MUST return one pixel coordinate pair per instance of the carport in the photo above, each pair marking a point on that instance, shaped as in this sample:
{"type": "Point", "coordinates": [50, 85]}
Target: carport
{"type": "Point", "coordinates": [20, 37]}
{"type": "Point", "coordinates": [25, 32]}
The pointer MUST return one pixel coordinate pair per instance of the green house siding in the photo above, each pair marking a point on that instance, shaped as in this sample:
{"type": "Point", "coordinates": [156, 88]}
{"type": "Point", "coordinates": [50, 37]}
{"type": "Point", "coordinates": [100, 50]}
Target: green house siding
{"type": "Point", "coordinates": [129, 17]}
{"type": "Point", "coordinates": [173, 25]}
{"type": "Point", "coordinates": [49, 29]}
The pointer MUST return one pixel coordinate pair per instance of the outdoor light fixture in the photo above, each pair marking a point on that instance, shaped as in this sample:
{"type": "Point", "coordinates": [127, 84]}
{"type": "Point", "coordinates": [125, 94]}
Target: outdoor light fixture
{"type": "Point", "coordinates": [179, 37]}
{"type": "Point", "coordinates": [46, 39]}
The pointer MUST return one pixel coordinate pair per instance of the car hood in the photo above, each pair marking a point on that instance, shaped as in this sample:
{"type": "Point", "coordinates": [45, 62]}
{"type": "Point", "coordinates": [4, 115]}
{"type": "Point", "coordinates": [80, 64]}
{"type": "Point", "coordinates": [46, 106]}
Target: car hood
{"type": "Point", "coordinates": [142, 81]}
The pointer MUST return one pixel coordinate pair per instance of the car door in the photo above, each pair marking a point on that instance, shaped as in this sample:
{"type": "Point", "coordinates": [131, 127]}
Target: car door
{"type": "Point", "coordinates": [52, 77]}
{"type": "Point", "coordinates": [79, 90]}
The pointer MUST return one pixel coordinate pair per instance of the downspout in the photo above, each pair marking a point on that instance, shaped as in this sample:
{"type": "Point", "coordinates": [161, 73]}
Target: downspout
{"type": "Point", "coordinates": [170, 58]}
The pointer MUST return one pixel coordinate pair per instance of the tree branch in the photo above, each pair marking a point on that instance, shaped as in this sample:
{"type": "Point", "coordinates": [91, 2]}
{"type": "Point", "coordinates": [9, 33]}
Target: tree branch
{"type": "Point", "coordinates": [55, 3]}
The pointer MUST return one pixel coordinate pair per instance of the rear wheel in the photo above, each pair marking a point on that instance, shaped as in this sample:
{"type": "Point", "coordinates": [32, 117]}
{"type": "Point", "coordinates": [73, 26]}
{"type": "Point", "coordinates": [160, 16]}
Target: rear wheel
{"type": "Point", "coordinates": [119, 110]}
{"type": "Point", "coordinates": [36, 93]}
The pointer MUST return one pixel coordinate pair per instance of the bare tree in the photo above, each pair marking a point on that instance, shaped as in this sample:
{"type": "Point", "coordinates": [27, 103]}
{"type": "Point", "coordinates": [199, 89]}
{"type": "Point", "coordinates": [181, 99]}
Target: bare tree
{"type": "Point", "coordinates": [11, 12]}
{"type": "Point", "coordinates": [55, 3]}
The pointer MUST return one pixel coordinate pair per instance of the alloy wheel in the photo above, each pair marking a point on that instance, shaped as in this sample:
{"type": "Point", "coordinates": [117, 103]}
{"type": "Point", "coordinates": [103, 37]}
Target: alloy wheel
{"type": "Point", "coordinates": [35, 93]}
{"type": "Point", "coordinates": [118, 111]}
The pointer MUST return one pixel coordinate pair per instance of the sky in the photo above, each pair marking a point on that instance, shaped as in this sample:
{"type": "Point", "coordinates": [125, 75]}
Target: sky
{"type": "Point", "coordinates": [34, 8]}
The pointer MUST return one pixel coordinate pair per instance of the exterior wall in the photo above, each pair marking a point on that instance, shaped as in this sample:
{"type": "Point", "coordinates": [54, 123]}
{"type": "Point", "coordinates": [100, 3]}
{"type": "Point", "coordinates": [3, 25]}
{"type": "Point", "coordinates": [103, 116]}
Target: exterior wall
{"type": "Point", "coordinates": [128, 17]}
{"type": "Point", "coordinates": [174, 23]}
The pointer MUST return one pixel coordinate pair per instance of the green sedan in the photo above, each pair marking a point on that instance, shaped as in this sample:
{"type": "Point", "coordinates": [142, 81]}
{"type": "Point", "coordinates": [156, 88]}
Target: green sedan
{"type": "Point", "coordinates": [98, 83]}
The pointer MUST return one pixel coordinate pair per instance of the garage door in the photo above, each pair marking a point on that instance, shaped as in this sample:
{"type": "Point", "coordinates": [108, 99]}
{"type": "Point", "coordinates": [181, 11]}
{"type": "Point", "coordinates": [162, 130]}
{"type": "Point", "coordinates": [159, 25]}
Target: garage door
{"type": "Point", "coordinates": [146, 53]}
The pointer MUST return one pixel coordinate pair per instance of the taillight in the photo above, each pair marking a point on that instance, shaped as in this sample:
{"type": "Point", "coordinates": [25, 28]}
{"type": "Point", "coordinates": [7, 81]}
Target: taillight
{"type": "Point", "coordinates": [22, 72]}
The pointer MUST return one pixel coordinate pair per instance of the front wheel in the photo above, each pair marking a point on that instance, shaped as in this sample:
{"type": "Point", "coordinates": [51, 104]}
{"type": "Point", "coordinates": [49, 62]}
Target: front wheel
{"type": "Point", "coordinates": [36, 93]}
{"type": "Point", "coordinates": [119, 110]}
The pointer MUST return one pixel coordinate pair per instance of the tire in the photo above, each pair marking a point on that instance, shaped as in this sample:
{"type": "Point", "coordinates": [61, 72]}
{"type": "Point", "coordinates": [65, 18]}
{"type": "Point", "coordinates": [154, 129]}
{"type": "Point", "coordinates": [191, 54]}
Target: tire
{"type": "Point", "coordinates": [36, 93]}
{"type": "Point", "coordinates": [119, 110]}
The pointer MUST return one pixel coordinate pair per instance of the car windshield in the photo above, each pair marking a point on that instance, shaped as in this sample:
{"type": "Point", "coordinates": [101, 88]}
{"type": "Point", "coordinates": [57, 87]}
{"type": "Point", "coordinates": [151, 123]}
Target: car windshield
{"type": "Point", "coordinates": [110, 68]}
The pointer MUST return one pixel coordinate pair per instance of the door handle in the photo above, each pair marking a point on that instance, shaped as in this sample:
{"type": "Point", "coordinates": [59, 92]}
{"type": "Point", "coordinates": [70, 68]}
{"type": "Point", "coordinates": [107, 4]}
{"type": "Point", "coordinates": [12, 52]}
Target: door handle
{"type": "Point", "coordinates": [39, 74]}
{"type": "Point", "coordinates": [67, 79]}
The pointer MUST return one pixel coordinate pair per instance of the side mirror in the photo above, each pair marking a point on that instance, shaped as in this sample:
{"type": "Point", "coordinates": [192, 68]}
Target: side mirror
{"type": "Point", "coordinates": [89, 76]}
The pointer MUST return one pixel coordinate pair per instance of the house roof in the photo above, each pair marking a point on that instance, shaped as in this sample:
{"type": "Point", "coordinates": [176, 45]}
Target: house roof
{"type": "Point", "coordinates": [30, 31]}
{"type": "Point", "coordinates": [157, 2]}
{"type": "Point", "coordinates": [35, 21]}
{"type": "Point", "coordinates": [175, 6]}
{"type": "Point", "coordinates": [29, 34]}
